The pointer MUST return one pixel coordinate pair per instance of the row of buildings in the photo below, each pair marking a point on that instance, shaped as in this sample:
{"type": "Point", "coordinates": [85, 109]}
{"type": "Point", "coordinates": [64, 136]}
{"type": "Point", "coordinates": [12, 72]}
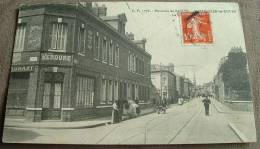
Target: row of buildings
{"type": "Point", "coordinates": [72, 61]}
{"type": "Point", "coordinates": [169, 85]}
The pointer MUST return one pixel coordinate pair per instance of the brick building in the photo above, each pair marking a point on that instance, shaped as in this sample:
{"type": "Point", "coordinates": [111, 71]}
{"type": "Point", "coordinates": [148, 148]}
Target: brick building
{"type": "Point", "coordinates": [72, 62]}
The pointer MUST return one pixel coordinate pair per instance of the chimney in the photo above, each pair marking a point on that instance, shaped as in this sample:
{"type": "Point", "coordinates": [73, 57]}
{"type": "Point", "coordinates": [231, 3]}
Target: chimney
{"type": "Point", "coordinates": [99, 11]}
{"type": "Point", "coordinates": [102, 11]}
{"type": "Point", "coordinates": [118, 22]}
{"type": "Point", "coordinates": [88, 5]}
{"type": "Point", "coordinates": [140, 43]}
{"type": "Point", "coordinates": [130, 36]}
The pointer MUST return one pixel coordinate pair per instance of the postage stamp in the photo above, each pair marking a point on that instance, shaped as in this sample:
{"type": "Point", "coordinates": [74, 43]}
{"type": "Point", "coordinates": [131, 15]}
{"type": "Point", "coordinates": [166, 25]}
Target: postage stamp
{"type": "Point", "coordinates": [196, 28]}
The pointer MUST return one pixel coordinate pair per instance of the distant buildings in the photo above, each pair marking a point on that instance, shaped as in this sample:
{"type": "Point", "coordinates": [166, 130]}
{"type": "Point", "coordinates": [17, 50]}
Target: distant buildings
{"type": "Point", "coordinates": [170, 85]}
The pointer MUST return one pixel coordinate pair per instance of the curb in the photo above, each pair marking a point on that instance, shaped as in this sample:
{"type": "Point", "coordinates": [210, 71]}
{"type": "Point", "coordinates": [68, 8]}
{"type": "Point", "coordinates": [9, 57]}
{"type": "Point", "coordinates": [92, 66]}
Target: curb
{"type": "Point", "coordinates": [56, 127]}
{"type": "Point", "coordinates": [238, 133]}
{"type": "Point", "coordinates": [69, 127]}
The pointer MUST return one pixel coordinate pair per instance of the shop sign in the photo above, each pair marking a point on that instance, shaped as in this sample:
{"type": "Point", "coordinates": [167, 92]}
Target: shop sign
{"type": "Point", "coordinates": [56, 57]}
{"type": "Point", "coordinates": [22, 68]}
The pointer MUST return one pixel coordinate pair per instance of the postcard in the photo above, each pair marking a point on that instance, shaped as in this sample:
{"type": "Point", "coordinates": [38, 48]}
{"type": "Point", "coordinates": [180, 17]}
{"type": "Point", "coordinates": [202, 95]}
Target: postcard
{"type": "Point", "coordinates": [129, 73]}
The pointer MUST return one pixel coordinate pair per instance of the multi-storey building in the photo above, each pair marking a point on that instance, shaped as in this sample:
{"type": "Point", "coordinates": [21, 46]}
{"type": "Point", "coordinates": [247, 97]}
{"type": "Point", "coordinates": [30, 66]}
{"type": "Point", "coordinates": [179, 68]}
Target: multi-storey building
{"type": "Point", "coordinates": [73, 61]}
{"type": "Point", "coordinates": [180, 86]}
{"type": "Point", "coordinates": [165, 82]}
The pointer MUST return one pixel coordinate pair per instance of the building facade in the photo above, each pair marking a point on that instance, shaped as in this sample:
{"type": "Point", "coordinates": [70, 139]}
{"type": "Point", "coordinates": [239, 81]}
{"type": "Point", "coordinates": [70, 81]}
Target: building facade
{"type": "Point", "coordinates": [180, 86]}
{"type": "Point", "coordinates": [165, 82]}
{"type": "Point", "coordinates": [187, 89]}
{"type": "Point", "coordinates": [69, 63]}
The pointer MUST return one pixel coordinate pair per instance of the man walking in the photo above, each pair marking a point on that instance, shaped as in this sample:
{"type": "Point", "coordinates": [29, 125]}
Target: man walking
{"type": "Point", "coordinates": [206, 102]}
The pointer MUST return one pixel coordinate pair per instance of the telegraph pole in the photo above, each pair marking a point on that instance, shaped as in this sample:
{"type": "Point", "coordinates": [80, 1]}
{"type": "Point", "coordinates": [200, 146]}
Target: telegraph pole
{"type": "Point", "coordinates": [161, 80]}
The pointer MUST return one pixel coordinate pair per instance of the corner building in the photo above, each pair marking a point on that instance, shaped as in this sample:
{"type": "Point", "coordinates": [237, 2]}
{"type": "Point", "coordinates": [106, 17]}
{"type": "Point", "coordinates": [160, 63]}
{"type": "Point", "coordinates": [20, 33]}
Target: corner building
{"type": "Point", "coordinates": [69, 64]}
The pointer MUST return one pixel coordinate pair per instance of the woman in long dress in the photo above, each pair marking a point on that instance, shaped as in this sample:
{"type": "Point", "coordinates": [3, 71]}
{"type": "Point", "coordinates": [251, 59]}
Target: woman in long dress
{"type": "Point", "coordinates": [115, 113]}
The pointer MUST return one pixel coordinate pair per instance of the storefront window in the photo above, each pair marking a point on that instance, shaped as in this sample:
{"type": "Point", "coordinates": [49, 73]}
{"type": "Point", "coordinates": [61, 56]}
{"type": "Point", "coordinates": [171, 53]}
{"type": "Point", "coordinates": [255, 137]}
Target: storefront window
{"type": "Point", "coordinates": [85, 92]}
{"type": "Point", "coordinates": [18, 88]}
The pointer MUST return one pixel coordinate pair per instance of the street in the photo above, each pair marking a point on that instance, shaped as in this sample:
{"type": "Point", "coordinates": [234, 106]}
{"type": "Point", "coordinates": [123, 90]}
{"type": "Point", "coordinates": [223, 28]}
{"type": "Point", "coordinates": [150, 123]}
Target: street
{"type": "Point", "coordinates": [182, 124]}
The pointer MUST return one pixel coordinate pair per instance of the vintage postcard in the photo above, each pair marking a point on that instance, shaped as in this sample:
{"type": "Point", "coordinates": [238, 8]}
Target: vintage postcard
{"type": "Point", "coordinates": [129, 73]}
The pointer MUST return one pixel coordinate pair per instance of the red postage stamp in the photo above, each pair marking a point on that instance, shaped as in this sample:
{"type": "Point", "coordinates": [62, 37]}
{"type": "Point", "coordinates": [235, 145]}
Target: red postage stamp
{"type": "Point", "coordinates": [196, 28]}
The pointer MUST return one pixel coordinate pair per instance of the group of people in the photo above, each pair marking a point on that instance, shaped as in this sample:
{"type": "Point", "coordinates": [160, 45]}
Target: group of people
{"type": "Point", "coordinates": [130, 109]}
{"type": "Point", "coordinates": [161, 106]}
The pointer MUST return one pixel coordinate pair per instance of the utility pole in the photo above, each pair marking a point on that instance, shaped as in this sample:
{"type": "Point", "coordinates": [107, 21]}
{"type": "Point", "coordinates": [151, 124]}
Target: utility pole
{"type": "Point", "coordinates": [194, 76]}
{"type": "Point", "coordinates": [161, 80]}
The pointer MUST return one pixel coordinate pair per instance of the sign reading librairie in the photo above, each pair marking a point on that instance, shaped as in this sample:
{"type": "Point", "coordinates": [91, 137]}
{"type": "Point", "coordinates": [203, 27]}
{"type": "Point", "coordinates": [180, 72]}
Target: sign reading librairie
{"type": "Point", "coordinates": [22, 68]}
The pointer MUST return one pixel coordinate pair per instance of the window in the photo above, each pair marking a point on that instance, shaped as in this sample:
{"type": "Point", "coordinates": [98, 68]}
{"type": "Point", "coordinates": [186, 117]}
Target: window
{"type": "Point", "coordinates": [111, 49]}
{"type": "Point", "coordinates": [128, 91]}
{"type": "Point", "coordinates": [57, 95]}
{"type": "Point", "coordinates": [128, 61]}
{"type": "Point", "coordinates": [131, 62]}
{"type": "Point", "coordinates": [104, 49]}
{"type": "Point", "coordinates": [18, 89]}
{"type": "Point", "coordinates": [134, 66]}
{"type": "Point", "coordinates": [115, 90]}
{"type": "Point", "coordinates": [110, 92]}
{"type": "Point", "coordinates": [82, 41]}
{"type": "Point", "coordinates": [104, 90]}
{"type": "Point", "coordinates": [20, 37]}
{"type": "Point", "coordinates": [90, 40]}
{"type": "Point", "coordinates": [96, 52]}
{"type": "Point", "coordinates": [100, 49]}
{"type": "Point", "coordinates": [46, 95]}
{"type": "Point", "coordinates": [137, 65]}
{"type": "Point", "coordinates": [52, 92]}
{"type": "Point", "coordinates": [117, 56]}
{"type": "Point", "coordinates": [85, 92]}
{"type": "Point", "coordinates": [59, 36]}
{"type": "Point", "coordinates": [136, 92]}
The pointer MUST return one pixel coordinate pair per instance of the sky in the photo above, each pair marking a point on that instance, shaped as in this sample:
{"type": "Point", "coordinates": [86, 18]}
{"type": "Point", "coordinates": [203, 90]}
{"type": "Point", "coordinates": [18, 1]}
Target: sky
{"type": "Point", "coordinates": [159, 23]}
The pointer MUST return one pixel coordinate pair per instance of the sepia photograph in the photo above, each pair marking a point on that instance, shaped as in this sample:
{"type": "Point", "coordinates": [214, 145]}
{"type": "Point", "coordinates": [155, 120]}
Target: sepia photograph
{"type": "Point", "coordinates": [129, 73]}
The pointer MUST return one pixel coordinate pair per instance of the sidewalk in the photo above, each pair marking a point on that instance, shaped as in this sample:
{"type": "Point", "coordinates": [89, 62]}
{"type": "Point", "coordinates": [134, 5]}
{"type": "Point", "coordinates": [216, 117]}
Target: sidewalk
{"type": "Point", "coordinates": [241, 122]}
{"type": "Point", "coordinates": [51, 124]}
{"type": "Point", "coordinates": [54, 124]}
{"type": "Point", "coordinates": [221, 108]}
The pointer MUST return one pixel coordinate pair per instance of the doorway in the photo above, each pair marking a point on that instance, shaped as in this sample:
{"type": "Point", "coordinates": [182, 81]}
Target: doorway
{"type": "Point", "coordinates": [52, 96]}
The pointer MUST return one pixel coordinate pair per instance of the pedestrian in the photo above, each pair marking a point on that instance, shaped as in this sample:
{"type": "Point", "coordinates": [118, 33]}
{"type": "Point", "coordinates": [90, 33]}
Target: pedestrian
{"type": "Point", "coordinates": [115, 112]}
{"type": "Point", "coordinates": [164, 105]}
{"type": "Point", "coordinates": [138, 110]}
{"type": "Point", "coordinates": [206, 102]}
